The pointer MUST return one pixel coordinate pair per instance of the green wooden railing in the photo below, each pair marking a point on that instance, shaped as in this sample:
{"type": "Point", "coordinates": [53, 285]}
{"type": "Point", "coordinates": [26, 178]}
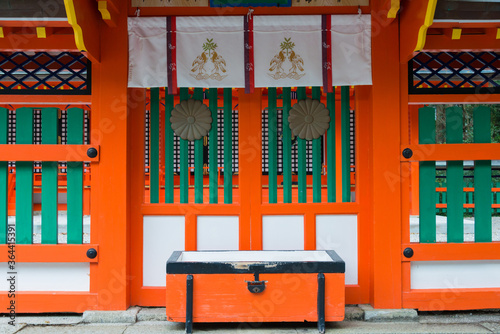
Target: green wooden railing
{"type": "Point", "coordinates": [303, 152]}
{"type": "Point", "coordinates": [454, 195]}
{"type": "Point", "coordinates": [24, 176]}
{"type": "Point", "coordinates": [183, 186]}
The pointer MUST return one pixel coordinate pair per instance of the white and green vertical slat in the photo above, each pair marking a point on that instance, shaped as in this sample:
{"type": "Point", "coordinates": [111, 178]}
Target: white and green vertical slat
{"type": "Point", "coordinates": [302, 156]}
{"type": "Point", "coordinates": [287, 147]}
{"type": "Point", "coordinates": [4, 177]}
{"type": "Point", "coordinates": [24, 179]}
{"type": "Point", "coordinates": [427, 179]}
{"type": "Point", "coordinates": [316, 155]}
{"type": "Point", "coordinates": [169, 150]}
{"type": "Point", "coordinates": [198, 157]}
{"type": "Point", "coordinates": [213, 144]}
{"type": "Point", "coordinates": [154, 153]}
{"type": "Point", "coordinates": [330, 146]}
{"type": "Point", "coordinates": [454, 178]}
{"type": "Point", "coordinates": [345, 121]}
{"type": "Point", "coordinates": [50, 122]}
{"type": "Point", "coordinates": [228, 146]}
{"type": "Point", "coordinates": [75, 179]}
{"type": "Point", "coordinates": [482, 178]}
{"type": "Point", "coordinates": [272, 140]}
{"type": "Point", "coordinates": [183, 157]}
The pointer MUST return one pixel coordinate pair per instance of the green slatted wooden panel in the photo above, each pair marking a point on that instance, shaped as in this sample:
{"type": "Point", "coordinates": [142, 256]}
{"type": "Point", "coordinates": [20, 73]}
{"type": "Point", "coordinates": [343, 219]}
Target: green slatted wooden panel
{"type": "Point", "coordinates": [75, 179]}
{"type": "Point", "coordinates": [346, 143]}
{"type": "Point", "coordinates": [330, 145]}
{"type": "Point", "coordinates": [198, 157]}
{"type": "Point", "coordinates": [302, 156]}
{"type": "Point", "coordinates": [228, 146]}
{"type": "Point", "coordinates": [154, 152]}
{"type": "Point", "coordinates": [272, 140]}
{"type": "Point", "coordinates": [454, 177]}
{"type": "Point", "coordinates": [287, 147]}
{"type": "Point", "coordinates": [24, 179]}
{"type": "Point", "coordinates": [213, 143]}
{"type": "Point", "coordinates": [482, 178]}
{"type": "Point", "coordinates": [50, 122]}
{"type": "Point", "coordinates": [4, 177]}
{"type": "Point", "coordinates": [169, 150]}
{"type": "Point", "coordinates": [427, 180]}
{"type": "Point", "coordinates": [316, 156]}
{"type": "Point", "coordinates": [183, 153]}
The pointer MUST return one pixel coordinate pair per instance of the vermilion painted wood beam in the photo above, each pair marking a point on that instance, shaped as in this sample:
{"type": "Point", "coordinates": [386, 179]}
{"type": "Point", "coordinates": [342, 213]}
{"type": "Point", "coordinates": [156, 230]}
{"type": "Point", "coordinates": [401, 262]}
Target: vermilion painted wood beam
{"type": "Point", "coordinates": [47, 152]}
{"type": "Point", "coordinates": [50, 253]}
{"type": "Point", "coordinates": [450, 152]}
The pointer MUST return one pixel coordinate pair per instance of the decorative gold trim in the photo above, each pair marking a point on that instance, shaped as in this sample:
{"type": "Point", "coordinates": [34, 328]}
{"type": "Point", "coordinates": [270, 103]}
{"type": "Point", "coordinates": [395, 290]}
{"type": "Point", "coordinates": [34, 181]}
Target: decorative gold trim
{"type": "Point", "coordinates": [70, 12]}
{"type": "Point", "coordinates": [456, 33]}
{"type": "Point", "coordinates": [393, 11]}
{"type": "Point", "coordinates": [41, 32]}
{"type": "Point", "coordinates": [498, 33]}
{"type": "Point", "coordinates": [103, 8]}
{"type": "Point", "coordinates": [429, 19]}
{"type": "Point", "coordinates": [1, 33]}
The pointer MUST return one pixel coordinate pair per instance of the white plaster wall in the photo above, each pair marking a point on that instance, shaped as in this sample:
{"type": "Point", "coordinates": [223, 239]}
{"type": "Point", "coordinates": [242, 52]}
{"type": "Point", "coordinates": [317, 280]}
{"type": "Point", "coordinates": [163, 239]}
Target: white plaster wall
{"type": "Point", "coordinates": [455, 274]}
{"type": "Point", "coordinates": [340, 233]}
{"type": "Point", "coordinates": [283, 232]}
{"type": "Point", "coordinates": [162, 235]}
{"type": "Point", "coordinates": [48, 276]}
{"type": "Point", "coordinates": [218, 233]}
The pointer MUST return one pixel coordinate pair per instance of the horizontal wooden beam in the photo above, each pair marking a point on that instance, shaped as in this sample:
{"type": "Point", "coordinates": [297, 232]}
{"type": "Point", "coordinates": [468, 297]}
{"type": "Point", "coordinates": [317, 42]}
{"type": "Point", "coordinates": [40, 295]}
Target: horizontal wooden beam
{"type": "Point", "coordinates": [198, 3]}
{"type": "Point", "coordinates": [45, 100]}
{"type": "Point", "coordinates": [443, 251]}
{"type": "Point", "coordinates": [303, 208]}
{"type": "Point", "coordinates": [452, 152]}
{"type": "Point", "coordinates": [453, 98]}
{"type": "Point", "coordinates": [51, 302]}
{"type": "Point", "coordinates": [452, 299]}
{"type": "Point", "coordinates": [20, 152]}
{"type": "Point", "coordinates": [184, 209]}
{"type": "Point", "coordinates": [48, 253]}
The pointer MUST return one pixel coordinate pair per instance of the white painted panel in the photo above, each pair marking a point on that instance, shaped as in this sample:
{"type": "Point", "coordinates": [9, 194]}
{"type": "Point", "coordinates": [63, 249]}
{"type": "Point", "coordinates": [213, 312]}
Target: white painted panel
{"type": "Point", "coordinates": [48, 277]}
{"type": "Point", "coordinates": [162, 236]}
{"type": "Point", "coordinates": [455, 274]}
{"type": "Point", "coordinates": [218, 233]}
{"type": "Point", "coordinates": [255, 256]}
{"type": "Point", "coordinates": [283, 232]}
{"type": "Point", "coordinates": [340, 233]}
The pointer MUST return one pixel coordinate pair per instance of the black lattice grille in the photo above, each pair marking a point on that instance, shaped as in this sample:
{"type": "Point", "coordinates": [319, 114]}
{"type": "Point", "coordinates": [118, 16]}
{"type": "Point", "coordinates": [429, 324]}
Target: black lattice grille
{"type": "Point", "coordinates": [454, 73]}
{"type": "Point", "coordinates": [43, 73]}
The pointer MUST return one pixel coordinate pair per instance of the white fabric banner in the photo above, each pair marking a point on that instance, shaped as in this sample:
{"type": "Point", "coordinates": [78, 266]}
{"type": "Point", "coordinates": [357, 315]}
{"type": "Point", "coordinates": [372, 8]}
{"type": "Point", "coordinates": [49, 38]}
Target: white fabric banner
{"type": "Point", "coordinates": [210, 51]}
{"type": "Point", "coordinates": [351, 50]}
{"type": "Point", "coordinates": [147, 52]}
{"type": "Point", "coordinates": [287, 51]}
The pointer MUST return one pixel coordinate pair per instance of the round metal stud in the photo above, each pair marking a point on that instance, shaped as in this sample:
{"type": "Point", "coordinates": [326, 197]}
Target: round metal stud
{"type": "Point", "coordinates": [91, 253]}
{"type": "Point", "coordinates": [407, 153]}
{"type": "Point", "coordinates": [408, 252]}
{"type": "Point", "coordinates": [92, 152]}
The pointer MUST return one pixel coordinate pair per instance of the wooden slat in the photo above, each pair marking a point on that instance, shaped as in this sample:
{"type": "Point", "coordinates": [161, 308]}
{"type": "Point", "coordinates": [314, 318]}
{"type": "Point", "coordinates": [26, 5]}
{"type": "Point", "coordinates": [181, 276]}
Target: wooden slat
{"type": "Point", "coordinates": [427, 193]}
{"type": "Point", "coordinates": [50, 122]}
{"type": "Point", "coordinates": [452, 152]}
{"type": "Point", "coordinates": [198, 157]}
{"type": "Point", "coordinates": [75, 179]}
{"type": "Point", "coordinates": [440, 251]}
{"type": "Point", "coordinates": [169, 150]}
{"type": "Point", "coordinates": [43, 152]}
{"type": "Point", "coordinates": [302, 155]}
{"type": "Point", "coordinates": [24, 179]}
{"type": "Point", "coordinates": [316, 156]}
{"type": "Point", "coordinates": [213, 142]}
{"type": "Point", "coordinates": [482, 178]}
{"type": "Point", "coordinates": [4, 177]}
{"type": "Point", "coordinates": [330, 146]}
{"type": "Point", "coordinates": [272, 142]}
{"type": "Point", "coordinates": [454, 177]}
{"type": "Point", "coordinates": [183, 148]}
{"type": "Point", "coordinates": [228, 146]}
{"type": "Point", "coordinates": [346, 143]}
{"type": "Point", "coordinates": [205, 3]}
{"type": "Point", "coordinates": [154, 142]}
{"type": "Point", "coordinates": [287, 147]}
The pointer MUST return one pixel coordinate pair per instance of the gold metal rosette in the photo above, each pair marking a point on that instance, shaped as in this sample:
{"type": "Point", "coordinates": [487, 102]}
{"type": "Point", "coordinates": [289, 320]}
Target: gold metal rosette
{"type": "Point", "coordinates": [191, 119]}
{"type": "Point", "coordinates": [309, 119]}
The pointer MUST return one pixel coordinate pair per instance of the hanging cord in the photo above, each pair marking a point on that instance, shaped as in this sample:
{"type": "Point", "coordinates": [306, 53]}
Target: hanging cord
{"type": "Point", "coordinates": [249, 14]}
{"type": "Point", "coordinates": [138, 12]}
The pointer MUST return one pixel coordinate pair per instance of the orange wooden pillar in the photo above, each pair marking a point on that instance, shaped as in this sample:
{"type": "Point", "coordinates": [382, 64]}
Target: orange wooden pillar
{"type": "Point", "coordinates": [109, 130]}
{"type": "Point", "coordinates": [386, 268]}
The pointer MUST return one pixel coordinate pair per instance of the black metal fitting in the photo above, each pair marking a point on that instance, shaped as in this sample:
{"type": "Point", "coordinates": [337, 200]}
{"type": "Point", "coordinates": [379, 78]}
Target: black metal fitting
{"type": "Point", "coordinates": [256, 286]}
{"type": "Point", "coordinates": [408, 252]}
{"type": "Point", "coordinates": [92, 152]}
{"type": "Point", "coordinates": [91, 253]}
{"type": "Point", "coordinates": [407, 153]}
